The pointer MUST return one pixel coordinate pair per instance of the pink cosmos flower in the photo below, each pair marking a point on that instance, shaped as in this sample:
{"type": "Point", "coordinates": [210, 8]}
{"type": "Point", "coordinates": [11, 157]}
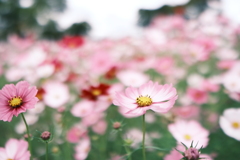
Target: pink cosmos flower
{"type": "Point", "coordinates": [188, 131]}
{"type": "Point", "coordinates": [198, 96]}
{"type": "Point", "coordinates": [186, 112]}
{"type": "Point", "coordinates": [16, 99]}
{"type": "Point", "coordinates": [136, 101]}
{"type": "Point", "coordinates": [15, 149]}
{"type": "Point", "coordinates": [166, 67]}
{"type": "Point", "coordinates": [132, 78]}
{"type": "Point", "coordinates": [209, 86]}
{"type": "Point", "coordinates": [100, 127]}
{"type": "Point", "coordinates": [76, 132]}
{"type": "Point", "coordinates": [174, 154]}
{"type": "Point", "coordinates": [82, 149]}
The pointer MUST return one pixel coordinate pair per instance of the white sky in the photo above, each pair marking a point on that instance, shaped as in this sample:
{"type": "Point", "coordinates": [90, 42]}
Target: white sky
{"type": "Point", "coordinates": [118, 18]}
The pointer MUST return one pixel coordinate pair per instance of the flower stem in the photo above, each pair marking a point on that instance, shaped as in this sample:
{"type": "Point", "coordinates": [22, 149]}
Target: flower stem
{"type": "Point", "coordinates": [128, 152]}
{"type": "Point", "coordinates": [46, 156]}
{"type": "Point", "coordinates": [29, 137]}
{"type": "Point", "coordinates": [143, 140]}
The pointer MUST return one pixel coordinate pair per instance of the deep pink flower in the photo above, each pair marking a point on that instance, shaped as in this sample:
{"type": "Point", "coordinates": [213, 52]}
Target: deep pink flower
{"type": "Point", "coordinates": [136, 101]}
{"type": "Point", "coordinates": [15, 150]}
{"type": "Point", "coordinates": [16, 99]}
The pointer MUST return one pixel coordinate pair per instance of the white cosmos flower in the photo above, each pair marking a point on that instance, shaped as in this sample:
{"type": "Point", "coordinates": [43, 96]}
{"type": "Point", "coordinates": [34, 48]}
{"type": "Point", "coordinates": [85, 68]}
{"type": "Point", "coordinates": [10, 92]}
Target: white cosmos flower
{"type": "Point", "coordinates": [230, 122]}
{"type": "Point", "coordinates": [57, 94]}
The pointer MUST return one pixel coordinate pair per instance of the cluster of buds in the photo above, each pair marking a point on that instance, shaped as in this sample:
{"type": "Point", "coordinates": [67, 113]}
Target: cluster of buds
{"type": "Point", "coordinates": [191, 153]}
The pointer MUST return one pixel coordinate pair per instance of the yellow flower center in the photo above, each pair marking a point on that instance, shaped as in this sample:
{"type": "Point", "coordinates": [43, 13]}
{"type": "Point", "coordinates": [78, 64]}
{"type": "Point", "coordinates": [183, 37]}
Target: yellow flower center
{"type": "Point", "coordinates": [15, 102]}
{"type": "Point", "coordinates": [9, 159]}
{"type": "Point", "coordinates": [235, 125]}
{"type": "Point", "coordinates": [187, 137]}
{"type": "Point", "coordinates": [96, 92]}
{"type": "Point", "coordinates": [144, 101]}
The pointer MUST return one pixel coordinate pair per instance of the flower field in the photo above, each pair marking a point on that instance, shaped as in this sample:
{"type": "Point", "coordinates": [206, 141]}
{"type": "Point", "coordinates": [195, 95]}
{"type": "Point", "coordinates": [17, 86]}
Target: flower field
{"type": "Point", "coordinates": [134, 98]}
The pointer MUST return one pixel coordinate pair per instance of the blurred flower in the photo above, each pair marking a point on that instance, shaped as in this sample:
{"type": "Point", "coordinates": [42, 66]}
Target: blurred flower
{"type": "Point", "coordinates": [40, 94]}
{"type": "Point", "coordinates": [209, 86]}
{"type": "Point", "coordinates": [150, 118]}
{"type": "Point", "coordinates": [111, 73]}
{"type": "Point", "coordinates": [164, 65]}
{"type": "Point", "coordinates": [230, 122]}
{"type": "Point", "coordinates": [132, 78]}
{"type": "Point", "coordinates": [197, 96]}
{"type": "Point", "coordinates": [83, 108]}
{"type": "Point", "coordinates": [173, 155]}
{"type": "Point", "coordinates": [56, 94]}
{"type": "Point", "coordinates": [93, 92]}
{"type": "Point", "coordinates": [225, 64]}
{"type": "Point", "coordinates": [134, 137]}
{"type": "Point", "coordinates": [100, 62]}
{"type": "Point", "coordinates": [188, 131]}
{"type": "Point", "coordinates": [100, 127]}
{"type": "Point", "coordinates": [186, 112]}
{"type": "Point", "coordinates": [16, 99]}
{"type": "Point", "coordinates": [136, 101]}
{"type": "Point", "coordinates": [82, 149]}
{"type": "Point", "coordinates": [21, 43]}
{"type": "Point", "coordinates": [92, 118]}
{"type": "Point", "coordinates": [71, 42]}
{"type": "Point", "coordinates": [15, 150]}
{"type": "Point", "coordinates": [76, 133]}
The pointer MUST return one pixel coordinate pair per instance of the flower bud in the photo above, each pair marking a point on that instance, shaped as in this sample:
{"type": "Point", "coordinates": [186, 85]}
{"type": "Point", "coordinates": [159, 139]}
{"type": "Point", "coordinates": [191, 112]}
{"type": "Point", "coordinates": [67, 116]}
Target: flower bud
{"type": "Point", "coordinates": [117, 125]}
{"type": "Point", "coordinates": [192, 154]}
{"type": "Point", "coordinates": [26, 136]}
{"type": "Point", "coordinates": [46, 135]}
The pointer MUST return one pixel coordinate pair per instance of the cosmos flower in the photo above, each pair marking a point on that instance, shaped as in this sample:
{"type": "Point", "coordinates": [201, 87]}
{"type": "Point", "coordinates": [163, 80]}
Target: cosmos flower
{"type": "Point", "coordinates": [76, 133]}
{"type": "Point", "coordinates": [132, 78]}
{"type": "Point", "coordinates": [188, 131]}
{"type": "Point", "coordinates": [72, 42]}
{"type": "Point", "coordinates": [93, 92]}
{"type": "Point", "coordinates": [230, 122]}
{"type": "Point", "coordinates": [16, 99]}
{"type": "Point", "coordinates": [82, 149]}
{"type": "Point", "coordinates": [136, 101]}
{"type": "Point", "coordinates": [56, 94]}
{"type": "Point", "coordinates": [15, 149]}
{"type": "Point", "coordinates": [197, 96]}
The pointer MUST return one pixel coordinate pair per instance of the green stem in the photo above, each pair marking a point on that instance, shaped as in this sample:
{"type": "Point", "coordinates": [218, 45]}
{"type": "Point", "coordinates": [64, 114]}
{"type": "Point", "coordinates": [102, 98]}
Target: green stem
{"type": "Point", "coordinates": [29, 137]}
{"type": "Point", "coordinates": [128, 152]}
{"type": "Point", "coordinates": [46, 156]}
{"type": "Point", "coordinates": [143, 140]}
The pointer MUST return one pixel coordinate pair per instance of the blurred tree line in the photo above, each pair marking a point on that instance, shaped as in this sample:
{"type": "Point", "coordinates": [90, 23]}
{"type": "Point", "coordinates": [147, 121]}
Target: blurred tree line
{"type": "Point", "coordinates": [17, 19]}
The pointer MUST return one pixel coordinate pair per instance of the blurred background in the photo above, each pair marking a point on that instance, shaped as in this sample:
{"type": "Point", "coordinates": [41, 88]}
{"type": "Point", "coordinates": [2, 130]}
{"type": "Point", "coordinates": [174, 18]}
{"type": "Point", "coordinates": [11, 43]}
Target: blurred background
{"type": "Point", "coordinates": [51, 19]}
